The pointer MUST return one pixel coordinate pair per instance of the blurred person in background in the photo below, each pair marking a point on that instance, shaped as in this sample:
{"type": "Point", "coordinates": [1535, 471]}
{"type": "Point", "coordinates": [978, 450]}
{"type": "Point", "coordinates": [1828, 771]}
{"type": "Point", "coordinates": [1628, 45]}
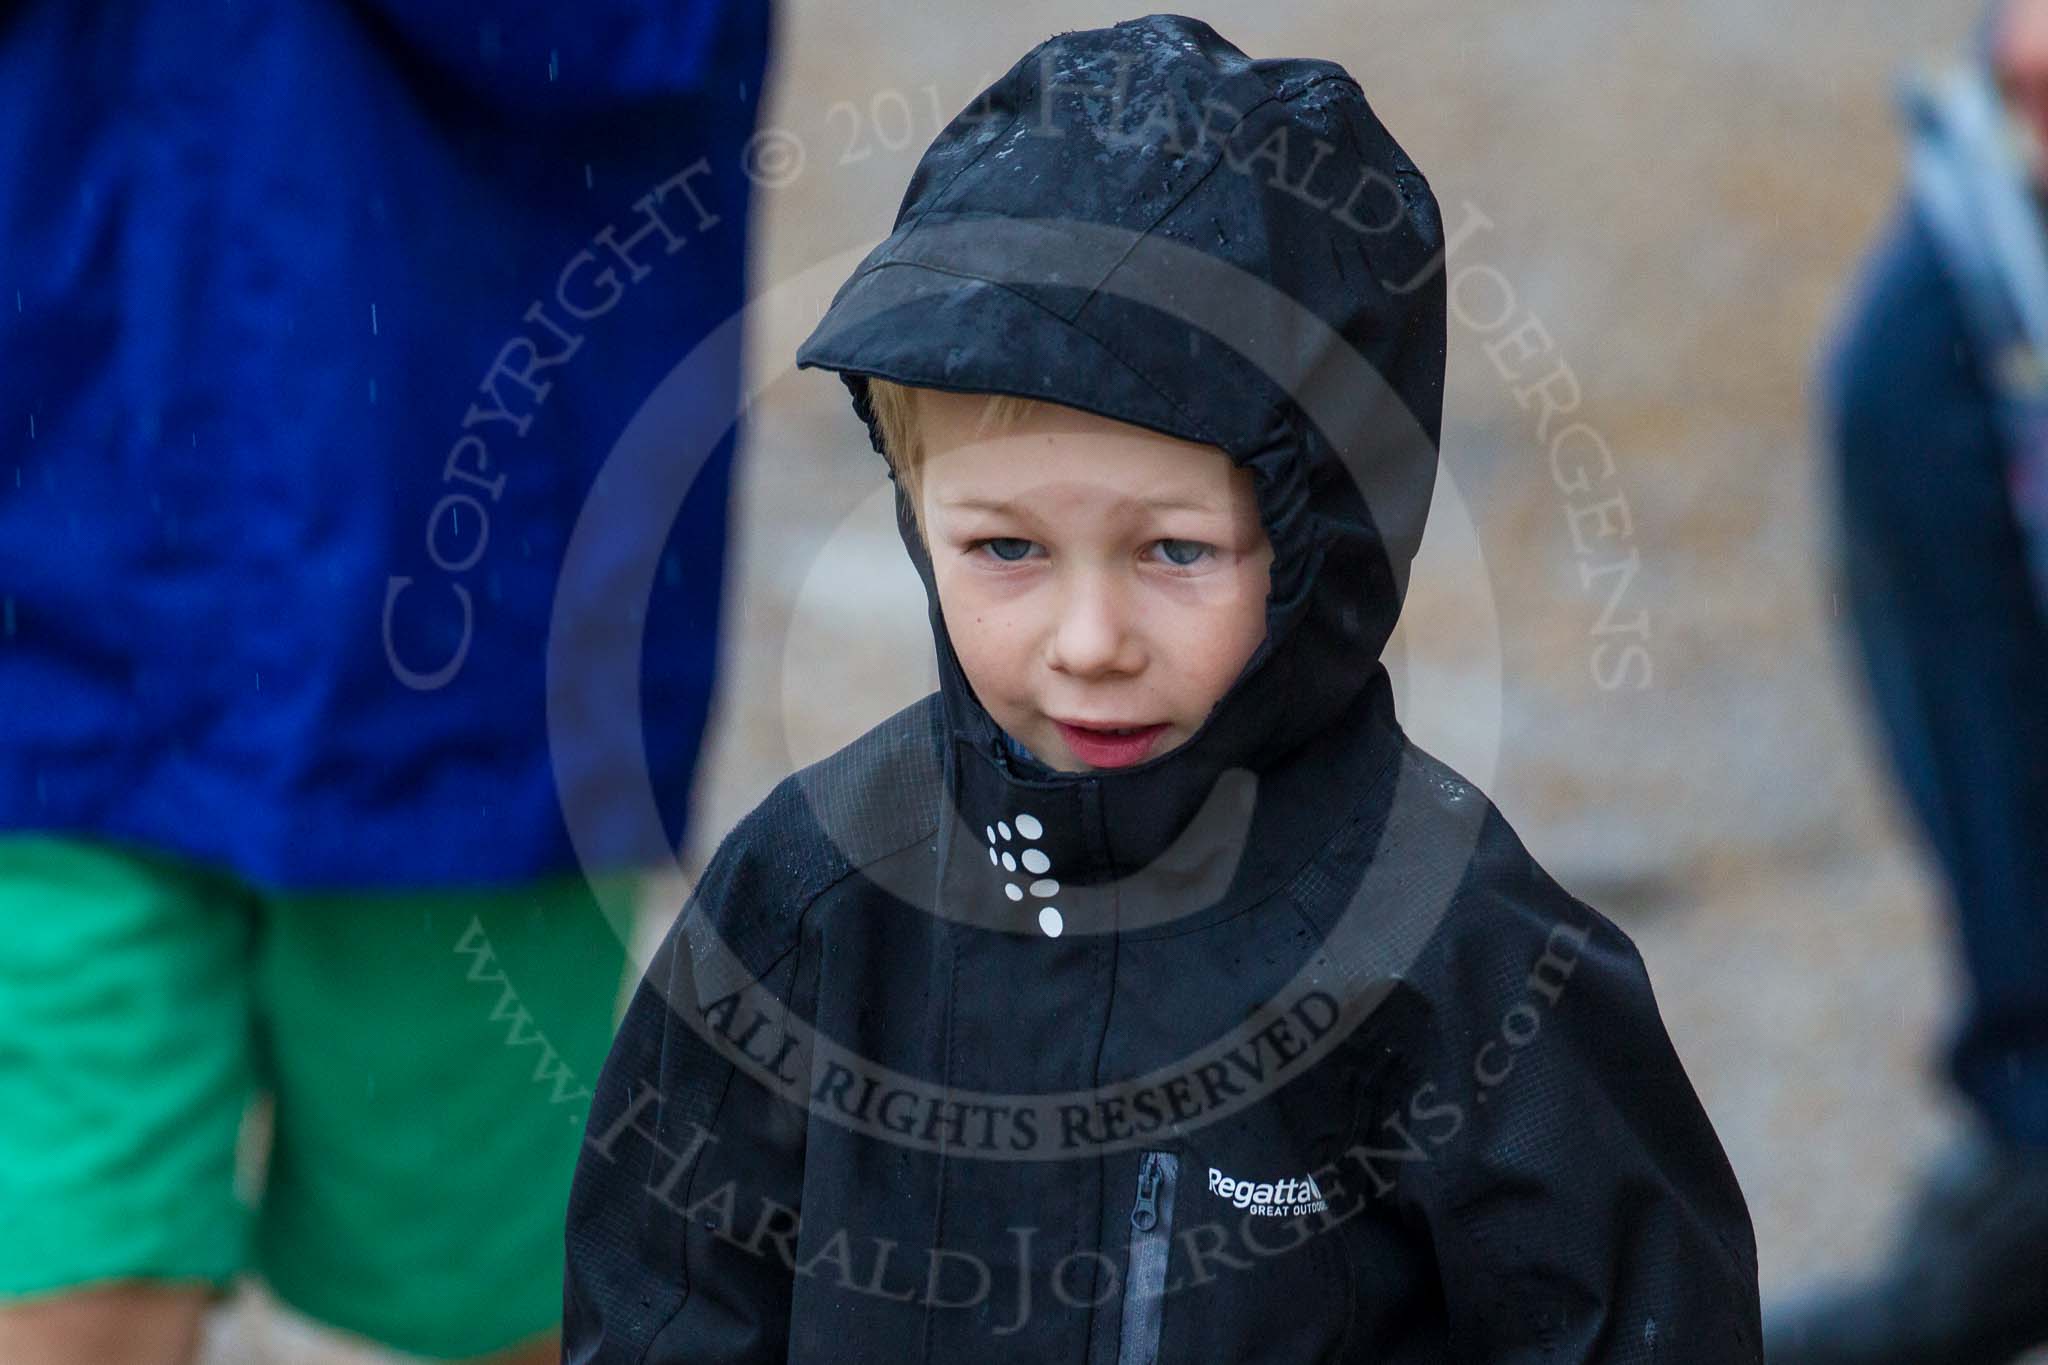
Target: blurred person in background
{"type": "Point", "coordinates": [1936, 400]}
{"type": "Point", "coordinates": [318, 321]}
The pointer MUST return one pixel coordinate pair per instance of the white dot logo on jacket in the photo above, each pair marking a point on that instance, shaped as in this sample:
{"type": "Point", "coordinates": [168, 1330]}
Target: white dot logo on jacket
{"type": "Point", "coordinates": [1032, 861]}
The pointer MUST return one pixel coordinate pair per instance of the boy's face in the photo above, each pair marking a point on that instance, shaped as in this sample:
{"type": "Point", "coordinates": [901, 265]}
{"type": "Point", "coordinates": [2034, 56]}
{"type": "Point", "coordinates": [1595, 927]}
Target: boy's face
{"type": "Point", "coordinates": [1092, 574]}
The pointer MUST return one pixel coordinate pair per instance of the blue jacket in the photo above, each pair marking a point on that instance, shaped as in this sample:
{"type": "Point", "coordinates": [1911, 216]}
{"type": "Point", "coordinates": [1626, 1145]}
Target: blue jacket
{"type": "Point", "coordinates": [317, 321]}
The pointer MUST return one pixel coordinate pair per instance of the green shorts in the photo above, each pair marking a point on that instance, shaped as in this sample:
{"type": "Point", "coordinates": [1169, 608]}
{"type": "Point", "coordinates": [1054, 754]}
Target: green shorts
{"type": "Point", "coordinates": [428, 1057]}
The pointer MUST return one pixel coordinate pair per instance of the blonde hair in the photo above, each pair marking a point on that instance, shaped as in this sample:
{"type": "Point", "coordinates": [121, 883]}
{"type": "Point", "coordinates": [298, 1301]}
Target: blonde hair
{"type": "Point", "coordinates": [895, 409]}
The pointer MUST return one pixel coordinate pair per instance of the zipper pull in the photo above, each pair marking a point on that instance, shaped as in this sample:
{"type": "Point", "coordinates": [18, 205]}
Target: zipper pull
{"type": "Point", "coordinates": [1145, 1214]}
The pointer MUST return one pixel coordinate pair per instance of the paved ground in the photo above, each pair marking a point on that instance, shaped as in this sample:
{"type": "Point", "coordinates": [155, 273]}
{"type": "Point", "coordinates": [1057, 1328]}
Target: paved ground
{"type": "Point", "coordinates": [1676, 195]}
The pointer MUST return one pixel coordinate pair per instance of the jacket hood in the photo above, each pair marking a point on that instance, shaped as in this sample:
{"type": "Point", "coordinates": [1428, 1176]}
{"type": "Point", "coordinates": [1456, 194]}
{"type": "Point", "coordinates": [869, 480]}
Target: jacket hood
{"type": "Point", "coordinates": [1145, 223]}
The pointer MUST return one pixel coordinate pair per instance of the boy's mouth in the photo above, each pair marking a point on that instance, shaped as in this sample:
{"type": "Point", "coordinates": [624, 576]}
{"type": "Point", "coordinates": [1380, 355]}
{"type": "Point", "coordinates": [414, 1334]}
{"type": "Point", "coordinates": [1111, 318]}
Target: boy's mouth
{"type": "Point", "coordinates": [1115, 746]}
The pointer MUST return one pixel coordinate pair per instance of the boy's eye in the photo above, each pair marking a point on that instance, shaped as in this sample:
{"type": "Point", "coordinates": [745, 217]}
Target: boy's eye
{"type": "Point", "coordinates": [1183, 553]}
{"type": "Point", "coordinates": [1009, 549]}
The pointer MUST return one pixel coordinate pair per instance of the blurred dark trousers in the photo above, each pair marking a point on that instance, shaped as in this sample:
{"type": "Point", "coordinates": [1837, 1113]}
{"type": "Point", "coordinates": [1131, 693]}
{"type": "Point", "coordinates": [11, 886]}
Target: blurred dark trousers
{"type": "Point", "coordinates": [1955, 650]}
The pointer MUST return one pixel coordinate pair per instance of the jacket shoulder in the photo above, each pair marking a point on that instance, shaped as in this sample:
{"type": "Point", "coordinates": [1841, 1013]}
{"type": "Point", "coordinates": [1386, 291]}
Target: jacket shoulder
{"type": "Point", "coordinates": [820, 825]}
{"type": "Point", "coordinates": [1504, 900]}
{"type": "Point", "coordinates": [876, 795]}
{"type": "Point", "coordinates": [1558, 1142]}
{"type": "Point", "coordinates": [1451, 885]}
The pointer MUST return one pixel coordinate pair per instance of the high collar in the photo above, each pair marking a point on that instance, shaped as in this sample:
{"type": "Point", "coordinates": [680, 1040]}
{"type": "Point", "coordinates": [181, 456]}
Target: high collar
{"type": "Point", "coordinates": [1028, 850]}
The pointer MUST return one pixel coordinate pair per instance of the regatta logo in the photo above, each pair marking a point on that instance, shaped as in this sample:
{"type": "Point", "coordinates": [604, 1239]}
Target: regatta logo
{"type": "Point", "coordinates": [1270, 1198]}
{"type": "Point", "coordinates": [1033, 862]}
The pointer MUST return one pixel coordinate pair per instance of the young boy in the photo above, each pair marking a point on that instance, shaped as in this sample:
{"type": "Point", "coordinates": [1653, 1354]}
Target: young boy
{"type": "Point", "coordinates": [1144, 994]}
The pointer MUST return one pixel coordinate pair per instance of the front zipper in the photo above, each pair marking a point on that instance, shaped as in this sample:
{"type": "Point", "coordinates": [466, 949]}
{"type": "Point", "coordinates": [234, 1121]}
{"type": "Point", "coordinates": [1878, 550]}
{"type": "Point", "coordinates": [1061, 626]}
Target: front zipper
{"type": "Point", "coordinates": [1145, 1279]}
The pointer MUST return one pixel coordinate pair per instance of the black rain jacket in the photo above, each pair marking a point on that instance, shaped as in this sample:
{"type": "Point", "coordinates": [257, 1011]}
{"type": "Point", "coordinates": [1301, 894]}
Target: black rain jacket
{"type": "Point", "coordinates": [1314, 1063]}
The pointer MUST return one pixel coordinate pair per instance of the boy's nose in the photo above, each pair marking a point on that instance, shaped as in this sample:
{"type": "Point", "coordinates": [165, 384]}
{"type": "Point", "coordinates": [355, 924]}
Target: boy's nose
{"type": "Point", "coordinates": [1094, 634]}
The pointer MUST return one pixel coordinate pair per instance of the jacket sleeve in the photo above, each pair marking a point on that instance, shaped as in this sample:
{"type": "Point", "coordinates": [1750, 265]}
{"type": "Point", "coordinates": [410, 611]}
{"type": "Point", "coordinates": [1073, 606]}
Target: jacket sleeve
{"type": "Point", "coordinates": [1582, 1209]}
{"type": "Point", "coordinates": [683, 1212]}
